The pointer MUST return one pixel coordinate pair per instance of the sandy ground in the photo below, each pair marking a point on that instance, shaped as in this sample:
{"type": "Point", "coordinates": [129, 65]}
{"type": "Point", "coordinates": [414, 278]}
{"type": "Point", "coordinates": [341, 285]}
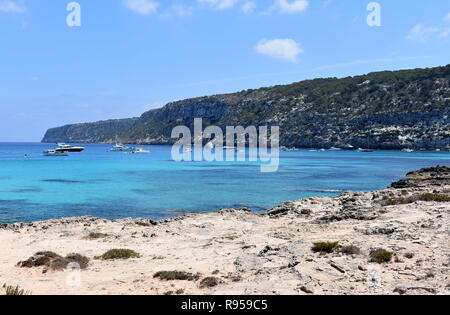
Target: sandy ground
{"type": "Point", "coordinates": [249, 253]}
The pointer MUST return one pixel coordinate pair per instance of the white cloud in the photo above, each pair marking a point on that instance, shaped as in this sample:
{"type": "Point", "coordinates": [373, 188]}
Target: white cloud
{"type": "Point", "coordinates": [447, 18]}
{"type": "Point", "coordinates": [284, 49]}
{"type": "Point", "coordinates": [249, 6]}
{"type": "Point", "coordinates": [445, 33]}
{"type": "Point", "coordinates": [10, 6]}
{"type": "Point", "coordinates": [182, 10]}
{"type": "Point", "coordinates": [219, 4]}
{"type": "Point", "coordinates": [422, 33]}
{"type": "Point", "coordinates": [289, 7]}
{"type": "Point", "coordinates": [143, 7]}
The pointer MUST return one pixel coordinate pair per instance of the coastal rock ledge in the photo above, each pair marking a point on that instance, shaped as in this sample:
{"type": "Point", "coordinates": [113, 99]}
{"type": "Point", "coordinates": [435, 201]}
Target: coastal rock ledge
{"type": "Point", "coordinates": [393, 241]}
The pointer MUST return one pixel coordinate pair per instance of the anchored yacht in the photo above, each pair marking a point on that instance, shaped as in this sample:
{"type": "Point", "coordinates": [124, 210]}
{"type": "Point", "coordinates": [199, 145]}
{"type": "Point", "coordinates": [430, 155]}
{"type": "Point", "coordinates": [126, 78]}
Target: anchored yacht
{"type": "Point", "coordinates": [62, 147]}
{"type": "Point", "coordinates": [54, 153]}
{"type": "Point", "coordinates": [120, 147]}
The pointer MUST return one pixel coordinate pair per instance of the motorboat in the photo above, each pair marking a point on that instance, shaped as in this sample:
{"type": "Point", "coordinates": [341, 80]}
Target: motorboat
{"type": "Point", "coordinates": [366, 150]}
{"type": "Point", "coordinates": [54, 153]}
{"type": "Point", "coordinates": [62, 147]}
{"type": "Point", "coordinates": [408, 150]}
{"type": "Point", "coordinates": [139, 150]}
{"type": "Point", "coordinates": [120, 148]}
{"type": "Point", "coordinates": [348, 147]}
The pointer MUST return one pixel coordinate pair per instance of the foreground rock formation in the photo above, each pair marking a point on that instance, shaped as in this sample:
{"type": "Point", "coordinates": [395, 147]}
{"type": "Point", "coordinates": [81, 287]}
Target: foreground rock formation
{"type": "Point", "coordinates": [239, 252]}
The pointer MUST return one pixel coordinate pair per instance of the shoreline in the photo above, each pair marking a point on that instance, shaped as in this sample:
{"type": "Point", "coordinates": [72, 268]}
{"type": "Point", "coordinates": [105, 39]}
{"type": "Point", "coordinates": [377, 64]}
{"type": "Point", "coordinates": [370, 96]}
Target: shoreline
{"type": "Point", "coordinates": [327, 147]}
{"type": "Point", "coordinates": [235, 251]}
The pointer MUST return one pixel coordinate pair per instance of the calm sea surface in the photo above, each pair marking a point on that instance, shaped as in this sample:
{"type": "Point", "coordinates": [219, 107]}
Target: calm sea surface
{"type": "Point", "coordinates": [114, 185]}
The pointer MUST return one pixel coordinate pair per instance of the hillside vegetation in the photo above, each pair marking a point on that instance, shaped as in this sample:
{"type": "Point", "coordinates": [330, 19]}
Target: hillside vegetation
{"type": "Point", "coordinates": [389, 110]}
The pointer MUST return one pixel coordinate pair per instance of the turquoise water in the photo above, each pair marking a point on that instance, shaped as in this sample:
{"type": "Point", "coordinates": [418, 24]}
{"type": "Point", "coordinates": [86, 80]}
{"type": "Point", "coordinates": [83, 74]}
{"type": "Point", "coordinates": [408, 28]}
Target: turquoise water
{"type": "Point", "coordinates": [111, 185]}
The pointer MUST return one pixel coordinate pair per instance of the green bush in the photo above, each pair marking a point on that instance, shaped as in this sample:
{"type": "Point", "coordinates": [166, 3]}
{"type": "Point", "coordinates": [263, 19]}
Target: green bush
{"type": "Point", "coordinates": [380, 256]}
{"type": "Point", "coordinates": [435, 197]}
{"type": "Point", "coordinates": [11, 290]}
{"type": "Point", "coordinates": [175, 275]}
{"type": "Point", "coordinates": [325, 247]}
{"type": "Point", "coordinates": [118, 254]}
{"type": "Point", "coordinates": [397, 201]}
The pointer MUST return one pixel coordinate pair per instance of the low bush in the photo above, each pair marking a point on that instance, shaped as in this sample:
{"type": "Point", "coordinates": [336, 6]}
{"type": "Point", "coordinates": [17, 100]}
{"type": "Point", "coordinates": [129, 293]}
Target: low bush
{"type": "Point", "coordinates": [118, 254]}
{"type": "Point", "coordinates": [11, 290]}
{"type": "Point", "coordinates": [95, 236]}
{"type": "Point", "coordinates": [210, 282]}
{"type": "Point", "coordinates": [435, 197]}
{"type": "Point", "coordinates": [380, 256]}
{"type": "Point", "coordinates": [175, 275]}
{"type": "Point", "coordinates": [54, 261]}
{"type": "Point", "coordinates": [325, 247]}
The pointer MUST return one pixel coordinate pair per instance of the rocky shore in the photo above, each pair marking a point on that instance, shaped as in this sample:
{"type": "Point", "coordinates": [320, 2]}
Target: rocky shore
{"type": "Point", "coordinates": [393, 241]}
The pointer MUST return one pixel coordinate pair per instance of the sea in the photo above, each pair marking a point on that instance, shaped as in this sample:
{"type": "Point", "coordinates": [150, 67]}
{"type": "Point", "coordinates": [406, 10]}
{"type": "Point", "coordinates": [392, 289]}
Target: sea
{"type": "Point", "coordinates": [114, 185]}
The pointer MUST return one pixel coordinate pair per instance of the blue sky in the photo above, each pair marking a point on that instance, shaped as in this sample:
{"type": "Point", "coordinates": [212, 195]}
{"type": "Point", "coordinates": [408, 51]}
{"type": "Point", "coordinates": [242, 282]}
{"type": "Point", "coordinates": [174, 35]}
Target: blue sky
{"type": "Point", "coordinates": [129, 56]}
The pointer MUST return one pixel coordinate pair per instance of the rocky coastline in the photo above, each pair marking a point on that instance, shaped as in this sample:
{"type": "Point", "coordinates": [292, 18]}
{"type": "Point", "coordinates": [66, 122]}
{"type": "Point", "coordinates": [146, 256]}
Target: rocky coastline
{"type": "Point", "coordinates": [389, 110]}
{"type": "Point", "coordinates": [392, 241]}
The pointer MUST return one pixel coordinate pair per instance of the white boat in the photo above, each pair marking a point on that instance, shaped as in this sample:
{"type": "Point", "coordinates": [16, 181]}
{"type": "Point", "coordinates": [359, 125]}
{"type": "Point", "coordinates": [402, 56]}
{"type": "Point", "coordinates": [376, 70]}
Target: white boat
{"type": "Point", "coordinates": [54, 153]}
{"type": "Point", "coordinates": [408, 150]}
{"type": "Point", "coordinates": [62, 147]}
{"type": "Point", "coordinates": [365, 150]}
{"type": "Point", "coordinates": [187, 150]}
{"type": "Point", "coordinates": [120, 148]}
{"type": "Point", "coordinates": [348, 147]}
{"type": "Point", "coordinates": [139, 150]}
{"type": "Point", "coordinates": [335, 149]}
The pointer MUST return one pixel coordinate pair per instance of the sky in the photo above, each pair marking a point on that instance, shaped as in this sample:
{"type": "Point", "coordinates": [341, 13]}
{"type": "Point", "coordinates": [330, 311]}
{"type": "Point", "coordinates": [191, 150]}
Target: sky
{"type": "Point", "coordinates": [129, 56]}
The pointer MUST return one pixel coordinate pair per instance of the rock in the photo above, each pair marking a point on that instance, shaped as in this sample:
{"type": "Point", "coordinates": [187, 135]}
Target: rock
{"type": "Point", "coordinates": [145, 222]}
{"type": "Point", "coordinates": [268, 251]}
{"type": "Point", "coordinates": [308, 288]}
{"type": "Point", "coordinates": [379, 230]}
{"type": "Point", "coordinates": [282, 209]}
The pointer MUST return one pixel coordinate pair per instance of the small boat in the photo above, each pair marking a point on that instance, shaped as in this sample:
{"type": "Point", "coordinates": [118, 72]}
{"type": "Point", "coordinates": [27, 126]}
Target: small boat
{"type": "Point", "coordinates": [62, 147]}
{"type": "Point", "coordinates": [335, 149]}
{"type": "Point", "coordinates": [187, 150]}
{"type": "Point", "coordinates": [139, 150]}
{"type": "Point", "coordinates": [348, 147]}
{"type": "Point", "coordinates": [120, 148]}
{"type": "Point", "coordinates": [229, 148]}
{"type": "Point", "coordinates": [366, 150]}
{"type": "Point", "coordinates": [54, 153]}
{"type": "Point", "coordinates": [408, 150]}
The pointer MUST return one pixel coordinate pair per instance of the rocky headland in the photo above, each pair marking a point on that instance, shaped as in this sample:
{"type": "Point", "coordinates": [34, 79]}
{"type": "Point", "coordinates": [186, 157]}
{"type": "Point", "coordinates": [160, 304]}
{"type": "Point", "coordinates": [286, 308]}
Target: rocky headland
{"type": "Point", "coordinates": [381, 110]}
{"type": "Point", "coordinates": [393, 241]}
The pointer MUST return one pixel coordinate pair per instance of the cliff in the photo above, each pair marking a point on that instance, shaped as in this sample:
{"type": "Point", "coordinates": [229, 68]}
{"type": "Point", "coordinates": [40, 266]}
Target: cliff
{"type": "Point", "coordinates": [99, 132]}
{"type": "Point", "coordinates": [382, 110]}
